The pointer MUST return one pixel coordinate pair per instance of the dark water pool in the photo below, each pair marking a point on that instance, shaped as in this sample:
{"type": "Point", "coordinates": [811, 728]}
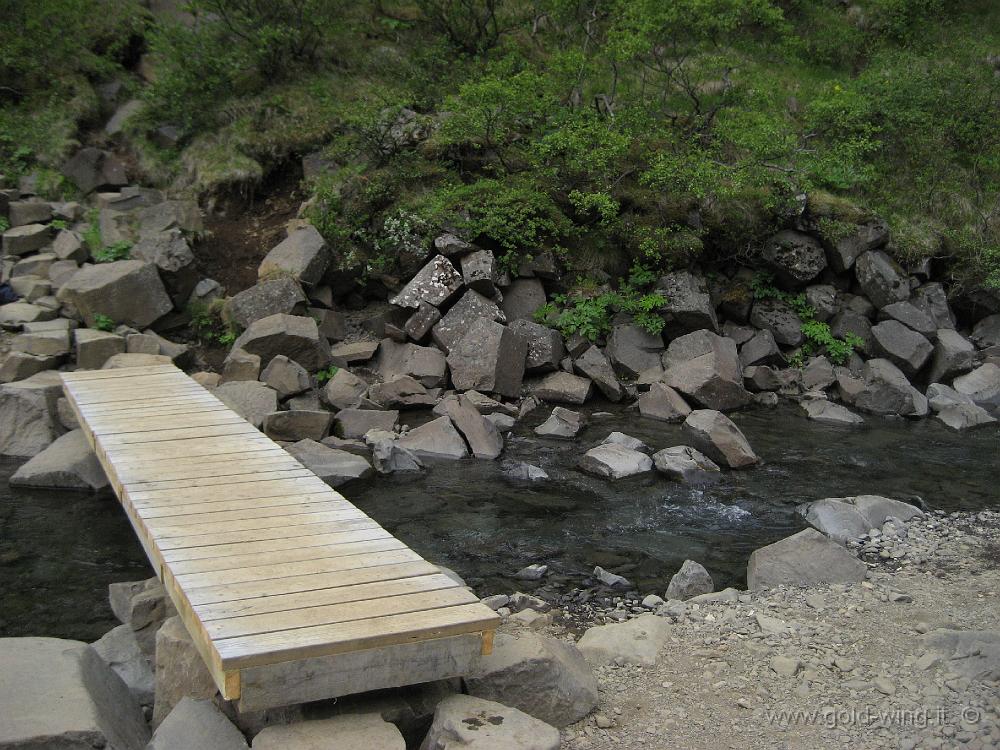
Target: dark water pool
{"type": "Point", "coordinates": [59, 551]}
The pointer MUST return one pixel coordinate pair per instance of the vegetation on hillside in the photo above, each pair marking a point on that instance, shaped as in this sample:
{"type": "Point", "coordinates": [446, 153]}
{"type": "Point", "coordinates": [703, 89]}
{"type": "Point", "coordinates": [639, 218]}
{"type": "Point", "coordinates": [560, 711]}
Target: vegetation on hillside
{"type": "Point", "coordinates": [615, 132]}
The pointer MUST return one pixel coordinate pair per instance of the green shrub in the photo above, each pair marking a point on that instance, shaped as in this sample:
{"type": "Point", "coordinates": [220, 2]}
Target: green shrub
{"type": "Point", "coordinates": [103, 322]}
{"type": "Point", "coordinates": [118, 251]}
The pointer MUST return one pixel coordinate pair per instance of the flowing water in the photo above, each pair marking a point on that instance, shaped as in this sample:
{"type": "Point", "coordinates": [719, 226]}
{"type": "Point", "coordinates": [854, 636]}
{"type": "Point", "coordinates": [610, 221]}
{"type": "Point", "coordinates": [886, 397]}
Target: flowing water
{"type": "Point", "coordinates": [58, 551]}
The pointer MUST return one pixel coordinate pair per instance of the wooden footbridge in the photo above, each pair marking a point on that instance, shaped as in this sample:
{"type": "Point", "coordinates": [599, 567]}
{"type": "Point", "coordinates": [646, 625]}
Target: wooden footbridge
{"type": "Point", "coordinates": [290, 593]}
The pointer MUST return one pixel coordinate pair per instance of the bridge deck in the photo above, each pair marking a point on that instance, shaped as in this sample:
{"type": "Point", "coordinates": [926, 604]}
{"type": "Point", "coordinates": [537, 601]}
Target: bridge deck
{"type": "Point", "coordinates": [289, 592]}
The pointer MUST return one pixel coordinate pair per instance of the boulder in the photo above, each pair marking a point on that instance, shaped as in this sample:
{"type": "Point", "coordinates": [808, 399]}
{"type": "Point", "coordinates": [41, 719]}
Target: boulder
{"type": "Point", "coordinates": [294, 336]}
{"type": "Point", "coordinates": [844, 251]}
{"type": "Point", "coordinates": [480, 272]}
{"type": "Point", "coordinates": [144, 606]}
{"type": "Point", "coordinates": [94, 348]}
{"type": "Point", "coordinates": [973, 654]}
{"type": "Point", "coordinates": [19, 365]}
{"type": "Point", "coordinates": [170, 253]}
{"type": "Point", "coordinates": [344, 390]}
{"type": "Point", "coordinates": [982, 385]}
{"type": "Point", "coordinates": [839, 520]}
{"type": "Point", "coordinates": [420, 323]}
{"type": "Point", "coordinates": [780, 319]}
{"type": "Point", "coordinates": [436, 439]}
{"type": "Point", "coordinates": [282, 295]}
{"type": "Point", "coordinates": [795, 258]}
{"type": "Point", "coordinates": [18, 313]}
{"type": "Point", "coordinates": [28, 212]}
{"type": "Point", "coordinates": [331, 323]}
{"type": "Point", "coordinates": [297, 424]}
{"type": "Point", "coordinates": [881, 279]}
{"type": "Point", "coordinates": [60, 694]}
{"type": "Point", "coordinates": [522, 298]}
{"type": "Point", "coordinates": [953, 355]}
{"type": "Point", "coordinates": [762, 349]}
{"type": "Point", "coordinates": [691, 580]}
{"type": "Point", "coordinates": [482, 435]}
{"type": "Point", "coordinates": [620, 438]}
{"type": "Point", "coordinates": [758, 379]}
{"type": "Point", "coordinates": [197, 725]}
{"type": "Point", "coordinates": [688, 307]}
{"type": "Point", "coordinates": [544, 677]}
{"type": "Point", "coordinates": [932, 300]}
{"type": "Point", "coordinates": [401, 393]}
{"type": "Point", "coordinates": [489, 357]}
{"type": "Point", "coordinates": [240, 365]}
{"type": "Point", "coordinates": [462, 721]}
{"type": "Point", "coordinates": [877, 509]}
{"type": "Point", "coordinates": [180, 670]}
{"type": "Point", "coordinates": [886, 391]}
{"type": "Point", "coordinates": [663, 403]}
{"type": "Point", "coordinates": [303, 256]}
{"type": "Point", "coordinates": [126, 291]}
{"type": "Point", "coordinates": [354, 731]}
{"type": "Point", "coordinates": [172, 214]}
{"type": "Point", "coordinates": [912, 317]}
{"type": "Point", "coordinates": [389, 457]}
{"type": "Point", "coordinates": [986, 332]}
{"type": "Point", "coordinates": [545, 346]}
{"type": "Point", "coordinates": [822, 298]}
{"type": "Point", "coordinates": [28, 414]}
{"type": "Point", "coordinates": [717, 437]}
{"type": "Point", "coordinates": [822, 410]}
{"type": "Point", "coordinates": [34, 265]}
{"type": "Point", "coordinates": [685, 464]}
{"type": "Point", "coordinates": [706, 368]}
{"type": "Point", "coordinates": [818, 374]}
{"type": "Point", "coordinates": [437, 284]}
{"type": "Point", "coordinates": [119, 361]}
{"type": "Point", "coordinates": [68, 463]}
{"type": "Point", "coordinates": [848, 321]}
{"type": "Point", "coordinates": [596, 366]}
{"type": "Point", "coordinates": [941, 396]}
{"type": "Point", "coordinates": [251, 400]}
{"type": "Point", "coordinates": [119, 649]}
{"type": "Point", "coordinates": [965, 416]}
{"type": "Point", "coordinates": [355, 352]}
{"type": "Point", "coordinates": [424, 364]}
{"type": "Point", "coordinates": [26, 239]}
{"type": "Point", "coordinates": [355, 423]}
{"type": "Point", "coordinates": [633, 350]}
{"type": "Point", "coordinates": [612, 461]}
{"type": "Point", "coordinates": [453, 326]}
{"type": "Point", "coordinates": [902, 346]}
{"type": "Point", "coordinates": [562, 423]}
{"type": "Point", "coordinates": [806, 559]}
{"type": "Point", "coordinates": [335, 467]}
{"type": "Point", "coordinates": [90, 168]}
{"type": "Point", "coordinates": [637, 641]}
{"type": "Point", "coordinates": [285, 376]}
{"type": "Point", "coordinates": [563, 388]}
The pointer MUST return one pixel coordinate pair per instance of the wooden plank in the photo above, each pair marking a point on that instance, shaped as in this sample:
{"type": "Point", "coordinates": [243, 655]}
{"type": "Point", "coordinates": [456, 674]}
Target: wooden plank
{"type": "Point", "coordinates": [291, 502]}
{"type": "Point", "coordinates": [183, 403]}
{"type": "Point", "coordinates": [226, 480]}
{"type": "Point", "coordinates": [113, 425]}
{"type": "Point", "coordinates": [168, 471]}
{"type": "Point", "coordinates": [157, 523]}
{"type": "Point", "coordinates": [86, 376]}
{"type": "Point", "coordinates": [112, 380]}
{"type": "Point", "coordinates": [169, 529]}
{"type": "Point", "coordinates": [231, 429]}
{"type": "Point", "coordinates": [197, 447]}
{"type": "Point", "coordinates": [270, 533]}
{"type": "Point", "coordinates": [370, 533]}
{"type": "Point", "coordinates": [257, 452]}
{"type": "Point", "coordinates": [247, 490]}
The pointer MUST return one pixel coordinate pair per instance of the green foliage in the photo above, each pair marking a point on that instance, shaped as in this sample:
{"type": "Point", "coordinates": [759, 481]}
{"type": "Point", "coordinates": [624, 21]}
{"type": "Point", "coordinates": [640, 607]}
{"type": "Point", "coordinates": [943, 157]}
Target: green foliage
{"type": "Point", "coordinates": [470, 25]}
{"type": "Point", "coordinates": [103, 322]}
{"type": "Point", "coordinates": [323, 376]}
{"type": "Point", "coordinates": [118, 251]}
{"type": "Point", "coordinates": [4, 224]}
{"type": "Point", "coordinates": [209, 325]}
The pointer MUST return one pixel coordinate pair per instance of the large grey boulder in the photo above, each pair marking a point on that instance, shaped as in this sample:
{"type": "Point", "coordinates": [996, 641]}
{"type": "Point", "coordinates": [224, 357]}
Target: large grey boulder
{"type": "Point", "coordinates": [119, 649]}
{"type": "Point", "coordinates": [846, 518]}
{"type": "Point", "coordinates": [982, 385]}
{"type": "Point", "coordinates": [849, 321]}
{"type": "Point", "coordinates": [795, 258]}
{"type": "Point", "coordinates": [868, 235]}
{"type": "Point", "coordinates": [285, 376]}
{"type": "Point", "coordinates": [821, 410]}
{"type": "Point", "coordinates": [881, 279]}
{"type": "Point", "coordinates": [805, 559]}
{"type": "Point", "coordinates": [780, 319]}
{"type": "Point", "coordinates": [933, 300]}
{"type": "Point", "coordinates": [462, 721]}
{"type": "Point", "coordinates": [91, 168]}
{"type": "Point", "coordinates": [297, 424]}
{"type": "Point", "coordinates": [612, 461]}
{"type": "Point", "coordinates": [563, 388]}
{"type": "Point", "coordinates": [335, 467]}
{"type": "Point", "coordinates": [482, 435]}
{"type": "Point", "coordinates": [453, 326]}
{"type": "Point", "coordinates": [762, 349]}
{"type": "Point", "coordinates": [912, 317]}
{"type": "Point", "coordinates": [562, 423]}
{"type": "Point", "coordinates": [596, 366]}
{"type": "Point", "coordinates": [953, 355]}
{"type": "Point", "coordinates": [425, 364]}
{"type": "Point", "coordinates": [437, 284]}
{"type": "Point", "coordinates": [20, 365]}
{"type": "Point", "coordinates": [43, 344]}
{"type": "Point", "coordinates": [420, 323]}
{"type": "Point", "coordinates": [364, 731]}
{"type": "Point", "coordinates": [688, 307]}
{"type": "Point", "coordinates": [179, 669]}
{"type": "Point", "coordinates": [303, 255]}
{"type": "Point", "coordinates": [68, 463]}
{"type": "Point", "coordinates": [522, 298]}
{"type": "Point", "coordinates": [170, 253]}
{"type": "Point", "coordinates": [715, 435]}
{"type": "Point", "coordinates": [706, 368]}
{"type": "Point", "coordinates": [197, 725]}
{"type": "Point", "coordinates": [685, 464]}
{"type": "Point", "coordinates": [965, 416]}
{"type": "Point", "coordinates": [663, 403]}
{"type": "Point", "coordinates": [691, 580]}
{"type": "Point", "coordinates": [488, 358]}
{"type": "Point", "coordinates": [636, 641]}
{"type": "Point", "coordinates": [633, 350]}
{"type": "Point", "coordinates": [356, 423]}
{"type": "Point", "coordinates": [28, 414]}
{"type": "Point", "coordinates": [26, 239]}
{"type": "Point", "coordinates": [986, 332]}
{"type": "Point", "coordinates": [94, 348]}
{"type": "Point", "coordinates": [126, 291]}
{"type": "Point", "coordinates": [388, 457]}
{"type": "Point", "coordinates": [19, 313]}
{"type": "Point", "coordinates": [295, 336]}
{"type": "Point", "coordinates": [887, 391]}
{"type": "Point", "coordinates": [171, 214]}
{"type": "Point", "coordinates": [281, 295]}
{"type": "Point", "coordinates": [544, 677]}
{"type": "Point", "coordinates": [240, 365]}
{"type": "Point", "coordinates": [344, 390]}
{"type": "Point", "coordinates": [402, 393]}
{"type": "Point", "coordinates": [60, 694]}
{"type": "Point", "coordinates": [437, 439]}
{"type": "Point", "coordinates": [545, 346]}
{"type": "Point", "coordinates": [144, 606]}
{"type": "Point", "coordinates": [479, 271]}
{"type": "Point", "coordinates": [902, 346]}
{"type": "Point", "coordinates": [251, 400]}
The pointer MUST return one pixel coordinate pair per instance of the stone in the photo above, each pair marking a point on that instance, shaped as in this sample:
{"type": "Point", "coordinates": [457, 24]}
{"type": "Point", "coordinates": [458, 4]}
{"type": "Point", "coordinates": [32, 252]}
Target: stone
{"type": "Point", "coordinates": [297, 424]}
{"type": "Point", "coordinates": [706, 368]}
{"type": "Point", "coordinates": [294, 336]}
{"type": "Point", "coordinates": [143, 606]}
{"type": "Point", "coordinates": [420, 323]}
{"type": "Point", "coordinates": [637, 641]}
{"type": "Point", "coordinates": [633, 350]}
{"type": "Point", "coordinates": [26, 239]}
{"type": "Point", "coordinates": [563, 388]}
{"type": "Point", "coordinates": [135, 359]}
{"type": "Point", "coordinates": [452, 245]}
{"type": "Point", "coordinates": [355, 423]}
{"type": "Point", "coordinates": [28, 416]}
{"type": "Point", "coordinates": [425, 364]}
{"type": "Point", "coordinates": [902, 346]}
{"type": "Point", "coordinates": [544, 677]}
{"type": "Point", "coordinates": [762, 349]}
{"type": "Point", "coordinates": [545, 346]}
{"type": "Point", "coordinates": [932, 300]}
{"type": "Point", "coordinates": [197, 725]}
{"type": "Point", "coordinates": [20, 365]}
{"type": "Point", "coordinates": [17, 313]}
{"type": "Point", "coordinates": [453, 326]}
{"type": "Point", "coordinates": [940, 397]}
{"type": "Point", "coordinates": [691, 580]}
{"type": "Point", "coordinates": [868, 235]}
{"type": "Point", "coordinates": [402, 393]}
{"type": "Point", "coordinates": [141, 343]}
{"type": "Point", "coordinates": [986, 332]}
{"type": "Point", "coordinates": [303, 256]}
{"type": "Point", "coordinates": [119, 649]}
{"type": "Point", "coordinates": [251, 400]}
{"type": "Point", "coordinates": [344, 390]}
{"type": "Point", "coordinates": [562, 423]}
{"type": "Point", "coordinates": [611, 461]}
{"type": "Point", "coordinates": [881, 279]}
{"type": "Point", "coordinates": [611, 580]}
{"type": "Point", "coordinates": [488, 358]}
{"type": "Point", "coordinates": [90, 168]}
{"type": "Point", "coordinates": [912, 317]}
{"type": "Point", "coordinates": [780, 319]}
{"type": "Point", "coordinates": [437, 439]}
{"type": "Point", "coordinates": [126, 291]}
{"type": "Point", "coordinates": [887, 391]}
{"type": "Point", "coordinates": [784, 666]}
{"type": "Point", "coordinates": [522, 298]}
{"type": "Point", "coordinates": [20, 213]}
{"type": "Point", "coordinates": [285, 376]}
{"type": "Point", "coordinates": [335, 467]}
{"type": "Point", "coordinates": [170, 253]}
{"type": "Point", "coordinates": [982, 385]}
{"type": "Point", "coordinates": [805, 559]}
{"type": "Point", "coordinates": [620, 438]}
{"type": "Point", "coordinates": [69, 246]}
{"type": "Point", "coordinates": [483, 437]}
{"type": "Point", "coordinates": [795, 258]}
{"type": "Point", "coordinates": [240, 365]}
{"type": "Point", "coordinates": [68, 463]}
{"type": "Point", "coordinates": [34, 265]}
{"type": "Point", "coordinates": [596, 366]}
{"type": "Point", "coordinates": [973, 654]}
{"type": "Point", "coordinates": [479, 271]}
{"type": "Point", "coordinates": [838, 519]}
{"type": "Point", "coordinates": [828, 412]}
{"type": "Point", "coordinates": [848, 321]}
{"type": "Point", "coordinates": [822, 298]}
{"type": "Point", "coordinates": [965, 416]}
{"type": "Point", "coordinates": [685, 464]}
{"type": "Point", "coordinates": [437, 284]}
{"type": "Point", "coordinates": [60, 694]}
{"type": "Point", "coordinates": [352, 731]}
{"type": "Point", "coordinates": [389, 457]}
{"type": "Point", "coordinates": [462, 721]}
{"type": "Point", "coordinates": [281, 295]}
{"type": "Point", "coordinates": [663, 403]}
{"type": "Point", "coordinates": [171, 214]}
{"type": "Point", "coordinates": [688, 307]}
{"type": "Point", "coordinates": [180, 671]}
{"type": "Point", "coordinates": [526, 472]}
{"type": "Point", "coordinates": [331, 323]}
{"type": "Point", "coordinates": [717, 437]}
{"type": "Point", "coordinates": [953, 355]}
{"type": "Point", "coordinates": [32, 288]}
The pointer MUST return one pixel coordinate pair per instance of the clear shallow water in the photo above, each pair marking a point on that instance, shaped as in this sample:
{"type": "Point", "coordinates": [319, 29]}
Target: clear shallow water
{"type": "Point", "coordinates": [59, 551]}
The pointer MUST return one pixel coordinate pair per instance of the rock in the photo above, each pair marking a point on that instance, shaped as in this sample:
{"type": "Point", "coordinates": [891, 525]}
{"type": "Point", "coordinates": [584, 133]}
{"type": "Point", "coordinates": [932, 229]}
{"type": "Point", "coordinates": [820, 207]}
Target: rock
{"type": "Point", "coordinates": [344, 390]}
{"type": "Point", "coordinates": [627, 441]}
{"type": "Point", "coordinates": [19, 365]}
{"type": "Point", "coordinates": [804, 559]}
{"type": "Point", "coordinates": [987, 332]}
{"type": "Point", "coordinates": [26, 239]}
{"type": "Point", "coordinates": [545, 346]}
{"type": "Point", "coordinates": [535, 572]}
{"type": "Point", "coordinates": [822, 298]}
{"type": "Point", "coordinates": [785, 666]}
{"type": "Point", "coordinates": [780, 319]}
{"type": "Point", "coordinates": [637, 641]}
{"type": "Point", "coordinates": [563, 387]}
{"type": "Point", "coordinates": [459, 318]}
{"type": "Point", "coordinates": [848, 321]}
{"type": "Point", "coordinates": [612, 461]}
{"type": "Point", "coordinates": [389, 457]}
{"type": "Point", "coordinates": [126, 291]}
{"type": "Point", "coordinates": [881, 279]}
{"type": "Point", "coordinates": [822, 410]}
{"type": "Point", "coordinates": [932, 300]}
{"type": "Point", "coordinates": [297, 424]}
{"type": "Point", "coordinates": [28, 415]}
{"type": "Point", "coordinates": [251, 400]}
{"type": "Point", "coordinates": [562, 423]}
{"type": "Point", "coordinates": [762, 349]}
{"type": "Point", "coordinates": [197, 725]}
{"type": "Point", "coordinates": [691, 580]}
{"type": "Point", "coordinates": [119, 649]}
{"type": "Point", "coordinates": [706, 368]}
{"type": "Point", "coordinates": [68, 463]}
{"type": "Point", "coordinates": [303, 256]}
{"type": "Point", "coordinates": [59, 694]}
{"type": "Point", "coordinates": [91, 168]}
{"type": "Point", "coordinates": [282, 295]}
{"type": "Point", "coordinates": [331, 323]}
{"type": "Point", "coordinates": [526, 472]}
{"type": "Point", "coordinates": [716, 436]}
{"type": "Point", "coordinates": [170, 253]}
{"type": "Point", "coordinates": [481, 434]}
{"type": "Point", "coordinates": [420, 323]}
{"type": "Point", "coordinates": [335, 467]}
{"type": "Point", "coordinates": [294, 336]}
{"type": "Point", "coordinates": [285, 376]}
{"type": "Point", "coordinates": [982, 385]}
{"type": "Point", "coordinates": [479, 271]}
{"type": "Point", "coordinates": [355, 423]}
{"type": "Point", "coordinates": [595, 365]}
{"type": "Point", "coordinates": [20, 213]}
{"type": "Point", "coordinates": [436, 439]}
{"type": "Point", "coordinates": [143, 606]}
{"type": "Point", "coordinates": [349, 732]}
{"type": "Point", "coordinates": [18, 313]}
{"type": "Point", "coordinates": [887, 391]}
{"type": "Point", "coordinates": [437, 284]}
{"type": "Point", "coordinates": [905, 348]}
{"type": "Point", "coordinates": [973, 654]}
{"type": "Point", "coordinates": [866, 236]}
{"type": "Point", "coordinates": [544, 677]}
{"type": "Point", "coordinates": [912, 317]}
{"type": "Point", "coordinates": [34, 265]}
{"type": "Point", "coordinates": [633, 350]}
{"type": "Point", "coordinates": [422, 363]}
{"type": "Point", "coordinates": [172, 214]}
{"type": "Point", "coordinates": [522, 298]}
{"type": "Point", "coordinates": [609, 579]}
{"type": "Point", "coordinates": [795, 258]}
{"type": "Point", "coordinates": [240, 365]}
{"type": "Point", "coordinates": [686, 464]}
{"type": "Point", "coordinates": [401, 393]}
{"type": "Point", "coordinates": [941, 397]}
{"type": "Point", "coordinates": [965, 416]}
{"type": "Point", "coordinates": [663, 403]}
{"type": "Point", "coordinates": [94, 348]}
{"type": "Point", "coordinates": [462, 721]}
{"type": "Point", "coordinates": [953, 355]}
{"type": "Point", "coordinates": [688, 307]}
{"type": "Point", "coordinates": [838, 519]}
{"type": "Point", "coordinates": [489, 357]}
{"type": "Point", "coordinates": [180, 670]}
